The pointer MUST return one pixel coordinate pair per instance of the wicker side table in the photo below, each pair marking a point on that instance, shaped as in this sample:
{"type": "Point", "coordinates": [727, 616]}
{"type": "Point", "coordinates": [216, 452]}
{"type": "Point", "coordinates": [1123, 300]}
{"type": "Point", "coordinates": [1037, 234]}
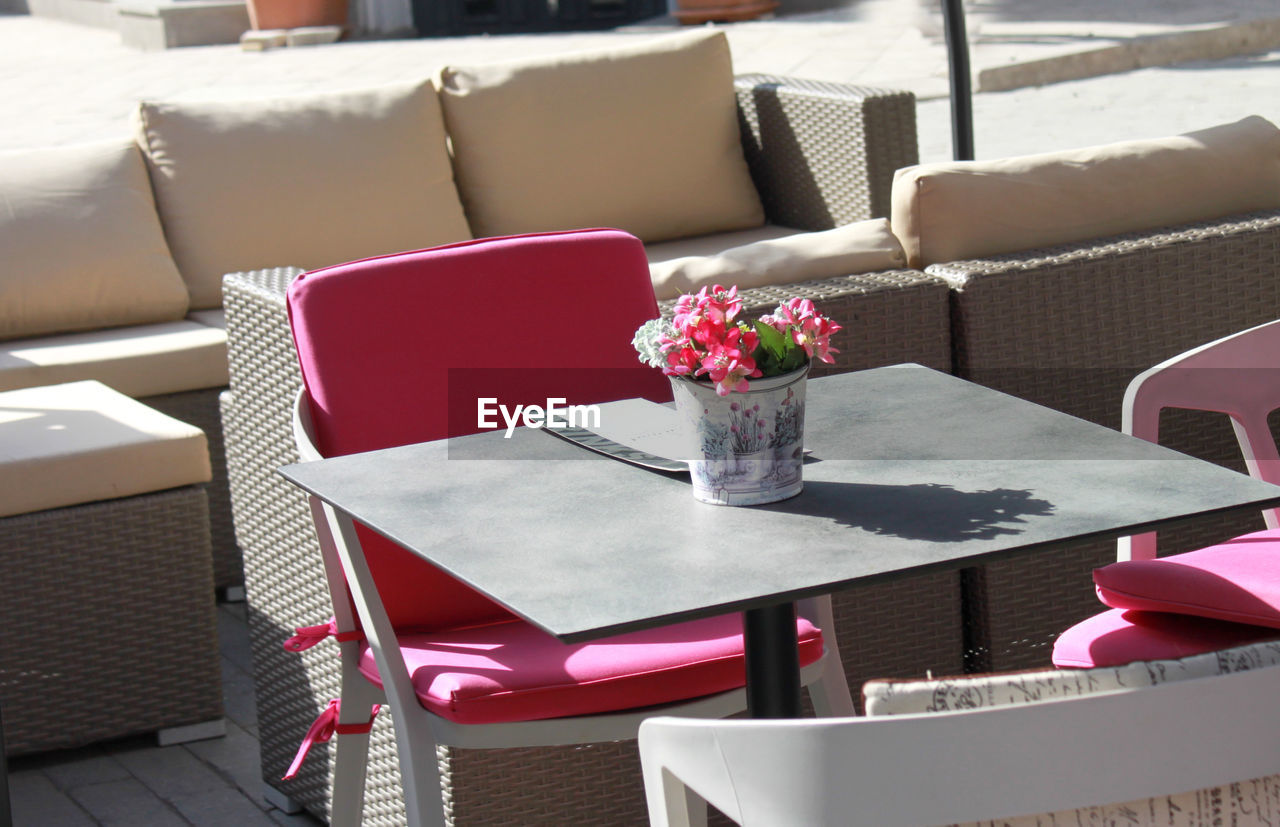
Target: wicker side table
{"type": "Point", "coordinates": [109, 611]}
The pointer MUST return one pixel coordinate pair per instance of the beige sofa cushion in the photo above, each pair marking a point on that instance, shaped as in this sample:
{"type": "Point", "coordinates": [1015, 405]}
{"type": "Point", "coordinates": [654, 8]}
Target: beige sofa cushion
{"type": "Point", "coordinates": [303, 181]}
{"type": "Point", "coordinates": [862, 247]}
{"type": "Point", "coordinates": [80, 242]}
{"type": "Point", "coordinates": [138, 361]}
{"type": "Point", "coordinates": [642, 137]}
{"type": "Point", "coordinates": [82, 442]}
{"type": "Point", "coordinates": [953, 211]}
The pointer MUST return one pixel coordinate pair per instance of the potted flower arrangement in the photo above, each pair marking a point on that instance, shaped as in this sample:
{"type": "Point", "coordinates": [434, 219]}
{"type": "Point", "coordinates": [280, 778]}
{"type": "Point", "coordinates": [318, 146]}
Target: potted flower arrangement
{"type": "Point", "coordinates": [740, 387]}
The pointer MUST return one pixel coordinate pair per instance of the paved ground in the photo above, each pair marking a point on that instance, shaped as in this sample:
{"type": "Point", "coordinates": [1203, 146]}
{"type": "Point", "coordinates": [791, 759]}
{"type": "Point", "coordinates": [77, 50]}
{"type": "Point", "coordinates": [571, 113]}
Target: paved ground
{"type": "Point", "coordinates": [62, 84]}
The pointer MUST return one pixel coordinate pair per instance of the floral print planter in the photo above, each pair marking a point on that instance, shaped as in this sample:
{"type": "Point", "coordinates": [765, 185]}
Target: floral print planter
{"type": "Point", "coordinates": [748, 446]}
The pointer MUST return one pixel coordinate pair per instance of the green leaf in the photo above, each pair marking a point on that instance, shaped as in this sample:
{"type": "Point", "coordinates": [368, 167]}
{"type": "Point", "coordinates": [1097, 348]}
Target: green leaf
{"type": "Point", "coordinates": [771, 340]}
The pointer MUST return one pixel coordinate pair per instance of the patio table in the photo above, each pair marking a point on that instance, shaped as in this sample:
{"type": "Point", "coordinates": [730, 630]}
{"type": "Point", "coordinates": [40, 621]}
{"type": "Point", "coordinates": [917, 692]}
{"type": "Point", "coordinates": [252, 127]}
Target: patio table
{"type": "Point", "coordinates": [911, 470]}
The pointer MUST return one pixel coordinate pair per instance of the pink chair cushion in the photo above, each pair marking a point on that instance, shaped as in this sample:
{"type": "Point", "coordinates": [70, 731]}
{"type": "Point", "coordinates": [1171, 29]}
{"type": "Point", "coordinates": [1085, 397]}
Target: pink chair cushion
{"type": "Point", "coordinates": [1238, 580]}
{"type": "Point", "coordinates": [514, 671]}
{"type": "Point", "coordinates": [396, 350]}
{"type": "Point", "coordinates": [1119, 636]}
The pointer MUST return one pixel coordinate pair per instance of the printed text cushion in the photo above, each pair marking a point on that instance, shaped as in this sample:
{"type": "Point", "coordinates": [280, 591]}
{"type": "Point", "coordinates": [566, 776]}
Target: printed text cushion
{"type": "Point", "coordinates": [1238, 580]}
{"type": "Point", "coordinates": [1119, 636]}
{"type": "Point", "coordinates": [861, 247]}
{"type": "Point", "coordinates": [1240, 803]}
{"type": "Point", "coordinates": [515, 672]}
{"type": "Point", "coordinates": [388, 354]}
{"type": "Point", "coordinates": [303, 181]}
{"type": "Point", "coordinates": [970, 209]}
{"type": "Point", "coordinates": [80, 242]}
{"type": "Point", "coordinates": [644, 138]}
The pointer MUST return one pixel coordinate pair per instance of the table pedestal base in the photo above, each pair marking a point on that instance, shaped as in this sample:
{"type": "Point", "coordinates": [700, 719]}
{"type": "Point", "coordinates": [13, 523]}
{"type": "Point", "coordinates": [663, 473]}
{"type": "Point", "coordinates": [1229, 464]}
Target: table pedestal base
{"type": "Point", "coordinates": [773, 661]}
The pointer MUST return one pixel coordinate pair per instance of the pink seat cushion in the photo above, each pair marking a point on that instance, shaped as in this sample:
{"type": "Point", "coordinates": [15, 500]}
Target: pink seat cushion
{"type": "Point", "coordinates": [514, 671]}
{"type": "Point", "coordinates": [1238, 580]}
{"type": "Point", "coordinates": [1119, 636]}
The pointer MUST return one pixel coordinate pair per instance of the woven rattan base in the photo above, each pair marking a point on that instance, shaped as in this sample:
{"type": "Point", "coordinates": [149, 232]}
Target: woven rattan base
{"type": "Point", "coordinates": [200, 408]}
{"type": "Point", "coordinates": [109, 621]}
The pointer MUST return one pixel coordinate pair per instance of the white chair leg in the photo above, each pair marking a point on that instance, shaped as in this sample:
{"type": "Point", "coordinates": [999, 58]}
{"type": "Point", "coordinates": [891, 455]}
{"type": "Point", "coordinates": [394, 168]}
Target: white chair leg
{"type": "Point", "coordinates": [420, 774]}
{"type": "Point", "coordinates": [351, 759]}
{"type": "Point", "coordinates": [349, 768]}
{"type": "Point", "coordinates": [830, 693]}
{"type": "Point", "coordinates": [676, 809]}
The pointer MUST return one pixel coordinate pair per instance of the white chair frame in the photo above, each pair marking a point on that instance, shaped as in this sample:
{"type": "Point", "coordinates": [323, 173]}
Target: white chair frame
{"type": "Point", "coordinates": [418, 731]}
{"type": "Point", "coordinates": [971, 765]}
{"type": "Point", "coordinates": [1209, 378]}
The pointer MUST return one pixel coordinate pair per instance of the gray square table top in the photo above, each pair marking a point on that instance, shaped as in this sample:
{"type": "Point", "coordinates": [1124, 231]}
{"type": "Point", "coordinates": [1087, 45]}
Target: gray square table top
{"type": "Point", "coordinates": [911, 470]}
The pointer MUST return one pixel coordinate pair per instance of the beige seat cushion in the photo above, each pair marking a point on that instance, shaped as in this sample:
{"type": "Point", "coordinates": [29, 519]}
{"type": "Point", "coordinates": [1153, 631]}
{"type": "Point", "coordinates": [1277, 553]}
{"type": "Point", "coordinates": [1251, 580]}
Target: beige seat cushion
{"type": "Point", "coordinates": [82, 442]}
{"type": "Point", "coordinates": [953, 211]}
{"type": "Point", "coordinates": [862, 247]}
{"type": "Point", "coordinates": [713, 244]}
{"type": "Point", "coordinates": [642, 137]}
{"type": "Point", "coordinates": [80, 242]}
{"type": "Point", "coordinates": [304, 181]}
{"type": "Point", "coordinates": [138, 361]}
{"type": "Point", "coordinates": [215, 317]}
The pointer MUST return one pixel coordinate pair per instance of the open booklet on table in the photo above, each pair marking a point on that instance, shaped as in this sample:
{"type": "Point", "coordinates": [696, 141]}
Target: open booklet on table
{"type": "Point", "coordinates": [636, 431]}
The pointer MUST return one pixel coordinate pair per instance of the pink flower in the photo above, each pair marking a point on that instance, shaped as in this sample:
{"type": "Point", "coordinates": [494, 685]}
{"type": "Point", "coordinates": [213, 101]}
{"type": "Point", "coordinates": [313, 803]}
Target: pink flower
{"type": "Point", "coordinates": [705, 338]}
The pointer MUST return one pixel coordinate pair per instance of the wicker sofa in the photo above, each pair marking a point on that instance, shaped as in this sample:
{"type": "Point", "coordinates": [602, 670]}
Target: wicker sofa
{"type": "Point", "coordinates": [820, 156]}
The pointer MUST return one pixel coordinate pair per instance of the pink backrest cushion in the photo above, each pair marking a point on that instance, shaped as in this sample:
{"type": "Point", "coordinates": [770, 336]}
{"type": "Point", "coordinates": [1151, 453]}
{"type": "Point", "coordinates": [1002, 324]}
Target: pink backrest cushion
{"type": "Point", "coordinates": [527, 317]}
{"type": "Point", "coordinates": [1238, 580]}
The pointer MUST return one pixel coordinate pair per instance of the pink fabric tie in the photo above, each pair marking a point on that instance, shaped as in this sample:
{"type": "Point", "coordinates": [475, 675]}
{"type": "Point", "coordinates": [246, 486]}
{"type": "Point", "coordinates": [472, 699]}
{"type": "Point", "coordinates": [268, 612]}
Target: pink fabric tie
{"type": "Point", "coordinates": [307, 636]}
{"type": "Point", "coordinates": [325, 727]}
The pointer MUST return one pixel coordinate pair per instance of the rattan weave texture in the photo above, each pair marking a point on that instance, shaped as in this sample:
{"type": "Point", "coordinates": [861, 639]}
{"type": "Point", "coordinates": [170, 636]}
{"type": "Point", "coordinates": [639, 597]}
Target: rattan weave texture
{"type": "Point", "coordinates": [109, 621]}
{"type": "Point", "coordinates": [200, 408]}
{"type": "Point", "coordinates": [1069, 327]}
{"type": "Point", "coordinates": [823, 154]}
{"type": "Point", "coordinates": [891, 317]}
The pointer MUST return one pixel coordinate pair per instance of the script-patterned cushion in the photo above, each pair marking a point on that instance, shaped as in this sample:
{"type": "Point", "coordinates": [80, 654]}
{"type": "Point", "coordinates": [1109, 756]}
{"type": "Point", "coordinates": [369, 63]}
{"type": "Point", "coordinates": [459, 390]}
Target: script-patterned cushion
{"type": "Point", "coordinates": [1256, 801]}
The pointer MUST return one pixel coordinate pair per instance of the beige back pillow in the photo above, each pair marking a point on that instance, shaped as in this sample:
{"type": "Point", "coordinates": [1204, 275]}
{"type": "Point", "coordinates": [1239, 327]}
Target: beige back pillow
{"type": "Point", "coordinates": [302, 181]}
{"type": "Point", "coordinates": [862, 247]}
{"type": "Point", "coordinates": [643, 138]}
{"type": "Point", "coordinates": [952, 211]}
{"type": "Point", "coordinates": [80, 243]}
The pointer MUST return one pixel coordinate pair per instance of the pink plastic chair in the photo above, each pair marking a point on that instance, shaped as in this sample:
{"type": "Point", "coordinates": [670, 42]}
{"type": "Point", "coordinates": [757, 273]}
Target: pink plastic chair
{"type": "Point", "coordinates": [1239, 376]}
{"type": "Point", "coordinates": [532, 317]}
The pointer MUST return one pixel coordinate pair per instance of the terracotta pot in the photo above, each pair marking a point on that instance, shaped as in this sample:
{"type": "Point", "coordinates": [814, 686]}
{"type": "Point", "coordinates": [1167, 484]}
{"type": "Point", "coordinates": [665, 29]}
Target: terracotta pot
{"type": "Point", "coordinates": [295, 14]}
{"type": "Point", "coordinates": [695, 12]}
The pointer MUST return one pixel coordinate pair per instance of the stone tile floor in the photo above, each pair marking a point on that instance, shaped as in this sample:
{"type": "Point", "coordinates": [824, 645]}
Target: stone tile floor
{"type": "Point", "coordinates": [132, 781]}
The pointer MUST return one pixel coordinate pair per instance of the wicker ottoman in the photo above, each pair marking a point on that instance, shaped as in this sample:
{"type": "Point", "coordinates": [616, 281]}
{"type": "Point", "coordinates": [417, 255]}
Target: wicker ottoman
{"type": "Point", "coordinates": [109, 612]}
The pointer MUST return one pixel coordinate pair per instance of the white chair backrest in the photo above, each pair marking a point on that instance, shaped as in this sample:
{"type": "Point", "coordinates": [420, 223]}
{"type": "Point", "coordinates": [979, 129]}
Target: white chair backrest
{"type": "Point", "coordinates": [1238, 375]}
{"type": "Point", "coordinates": [949, 767]}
